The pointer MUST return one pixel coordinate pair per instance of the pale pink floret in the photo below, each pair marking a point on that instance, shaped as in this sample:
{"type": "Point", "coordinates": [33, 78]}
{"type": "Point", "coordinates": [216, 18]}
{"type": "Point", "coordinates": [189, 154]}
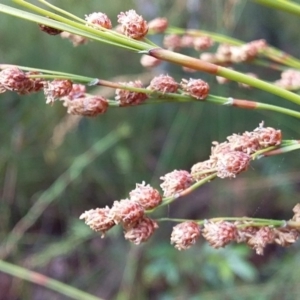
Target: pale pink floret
{"type": "Point", "coordinates": [176, 182]}
{"type": "Point", "coordinates": [132, 24]}
{"type": "Point", "coordinates": [220, 233]}
{"type": "Point", "coordinates": [163, 83]}
{"type": "Point", "coordinates": [263, 237]}
{"type": "Point", "coordinates": [140, 231]}
{"type": "Point", "coordinates": [98, 219]}
{"type": "Point", "coordinates": [185, 234]}
{"type": "Point", "coordinates": [146, 195]}
{"type": "Point", "coordinates": [158, 25]}
{"type": "Point", "coordinates": [232, 163]}
{"type": "Point", "coordinates": [126, 212]}
{"type": "Point", "coordinates": [97, 20]}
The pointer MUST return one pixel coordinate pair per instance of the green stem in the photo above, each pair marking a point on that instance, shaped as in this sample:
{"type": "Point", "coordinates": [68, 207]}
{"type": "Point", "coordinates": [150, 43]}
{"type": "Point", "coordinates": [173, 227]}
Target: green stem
{"type": "Point", "coordinates": [288, 6]}
{"type": "Point", "coordinates": [45, 281]}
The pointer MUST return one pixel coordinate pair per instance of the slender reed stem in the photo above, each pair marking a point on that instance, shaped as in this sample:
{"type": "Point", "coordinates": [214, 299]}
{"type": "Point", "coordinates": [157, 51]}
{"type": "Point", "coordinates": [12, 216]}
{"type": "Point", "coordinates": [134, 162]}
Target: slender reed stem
{"type": "Point", "coordinates": [45, 281]}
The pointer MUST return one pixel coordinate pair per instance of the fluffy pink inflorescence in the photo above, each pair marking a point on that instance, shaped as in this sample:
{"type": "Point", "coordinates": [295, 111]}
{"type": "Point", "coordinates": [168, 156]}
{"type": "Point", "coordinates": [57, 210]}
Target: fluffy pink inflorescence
{"type": "Point", "coordinates": [202, 43]}
{"type": "Point", "coordinates": [13, 79]}
{"type": "Point", "coordinates": [126, 97]}
{"type": "Point", "coordinates": [77, 91]}
{"type": "Point", "coordinates": [232, 163]}
{"type": "Point", "coordinates": [140, 231]}
{"type": "Point", "coordinates": [97, 19]}
{"type": "Point", "coordinates": [172, 41]}
{"type": "Point", "coordinates": [185, 234]}
{"type": "Point", "coordinates": [175, 182]}
{"type": "Point", "coordinates": [56, 89]}
{"type": "Point", "coordinates": [146, 195]}
{"type": "Point", "coordinates": [98, 219]}
{"type": "Point", "coordinates": [219, 234]}
{"type": "Point", "coordinates": [132, 24]}
{"type": "Point", "coordinates": [87, 106]}
{"type": "Point", "coordinates": [202, 169]}
{"type": "Point", "coordinates": [196, 88]}
{"type": "Point", "coordinates": [261, 239]}
{"type": "Point", "coordinates": [126, 212]}
{"type": "Point", "coordinates": [164, 84]}
{"type": "Point", "coordinates": [158, 25]}
{"type": "Point", "coordinates": [267, 136]}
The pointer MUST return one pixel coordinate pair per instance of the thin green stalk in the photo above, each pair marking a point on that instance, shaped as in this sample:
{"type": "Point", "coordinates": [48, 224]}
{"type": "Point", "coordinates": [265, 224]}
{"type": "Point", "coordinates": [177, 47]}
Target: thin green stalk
{"type": "Point", "coordinates": [59, 185]}
{"type": "Point", "coordinates": [62, 11]}
{"type": "Point", "coordinates": [287, 6]}
{"type": "Point", "coordinates": [45, 281]}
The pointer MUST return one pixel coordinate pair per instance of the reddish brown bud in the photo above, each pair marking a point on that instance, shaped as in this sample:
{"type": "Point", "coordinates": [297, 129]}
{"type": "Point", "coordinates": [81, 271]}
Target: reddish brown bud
{"type": "Point", "coordinates": [13, 79]}
{"type": "Point", "coordinates": [196, 88]}
{"type": "Point", "coordinates": [126, 97]}
{"type": "Point", "coordinates": [164, 84]}
{"type": "Point", "coordinates": [56, 89]}
{"type": "Point", "coordinates": [49, 30]}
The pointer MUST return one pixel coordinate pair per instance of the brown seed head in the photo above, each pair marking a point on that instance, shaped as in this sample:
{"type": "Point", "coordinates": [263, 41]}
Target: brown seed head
{"type": "Point", "coordinates": [232, 163]}
{"type": "Point", "coordinates": [56, 89]}
{"type": "Point", "coordinates": [196, 88]}
{"type": "Point", "coordinates": [49, 30]}
{"type": "Point", "coordinates": [146, 195]}
{"type": "Point", "coordinates": [175, 182]}
{"type": "Point", "coordinates": [126, 211]}
{"type": "Point", "coordinates": [164, 84]}
{"type": "Point", "coordinates": [184, 235]}
{"type": "Point", "coordinates": [98, 219]}
{"type": "Point", "coordinates": [87, 106]}
{"type": "Point", "coordinates": [13, 79]}
{"type": "Point", "coordinates": [78, 91]}
{"type": "Point", "coordinates": [158, 25]}
{"type": "Point", "coordinates": [220, 233]}
{"type": "Point", "coordinates": [37, 83]}
{"type": "Point", "coordinates": [98, 20]}
{"type": "Point", "coordinates": [141, 231]}
{"type": "Point", "coordinates": [126, 97]}
{"type": "Point", "coordinates": [133, 25]}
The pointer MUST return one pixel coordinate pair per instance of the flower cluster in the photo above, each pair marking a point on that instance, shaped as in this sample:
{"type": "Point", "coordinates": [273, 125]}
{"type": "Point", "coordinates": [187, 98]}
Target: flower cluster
{"type": "Point", "coordinates": [220, 233]}
{"type": "Point", "coordinates": [290, 80]}
{"type": "Point", "coordinates": [232, 157]}
{"type": "Point", "coordinates": [228, 54]}
{"type": "Point", "coordinates": [130, 213]}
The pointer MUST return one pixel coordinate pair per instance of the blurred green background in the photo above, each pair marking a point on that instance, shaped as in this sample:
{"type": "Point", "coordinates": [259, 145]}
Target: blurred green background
{"type": "Point", "coordinates": [39, 143]}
